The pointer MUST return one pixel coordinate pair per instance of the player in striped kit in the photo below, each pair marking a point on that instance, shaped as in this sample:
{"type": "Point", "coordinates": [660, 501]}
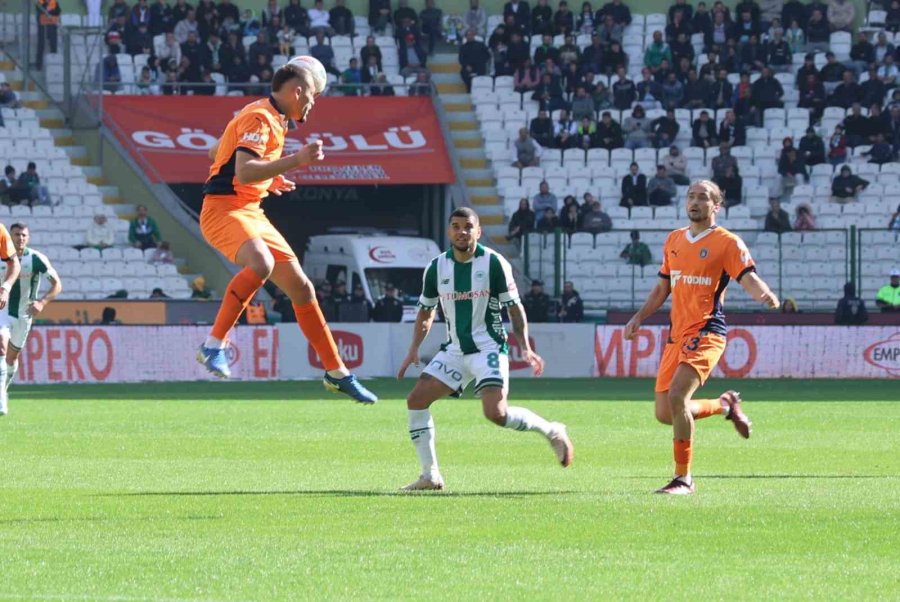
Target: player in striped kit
{"type": "Point", "coordinates": [472, 284]}
{"type": "Point", "coordinates": [9, 279]}
{"type": "Point", "coordinates": [24, 302]}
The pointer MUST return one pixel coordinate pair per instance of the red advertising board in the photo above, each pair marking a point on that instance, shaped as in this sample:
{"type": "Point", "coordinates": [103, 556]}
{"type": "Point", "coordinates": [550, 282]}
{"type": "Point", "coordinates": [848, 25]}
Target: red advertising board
{"type": "Point", "coordinates": [393, 140]}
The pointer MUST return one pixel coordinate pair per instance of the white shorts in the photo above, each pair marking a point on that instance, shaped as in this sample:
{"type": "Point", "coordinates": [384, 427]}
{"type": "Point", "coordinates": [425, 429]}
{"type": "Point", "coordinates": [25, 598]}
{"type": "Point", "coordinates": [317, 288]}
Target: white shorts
{"type": "Point", "coordinates": [456, 370]}
{"type": "Point", "coordinates": [18, 328]}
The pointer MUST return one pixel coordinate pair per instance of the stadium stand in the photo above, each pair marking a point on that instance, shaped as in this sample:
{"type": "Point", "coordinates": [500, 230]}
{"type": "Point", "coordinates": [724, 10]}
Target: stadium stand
{"type": "Point", "coordinates": [593, 262]}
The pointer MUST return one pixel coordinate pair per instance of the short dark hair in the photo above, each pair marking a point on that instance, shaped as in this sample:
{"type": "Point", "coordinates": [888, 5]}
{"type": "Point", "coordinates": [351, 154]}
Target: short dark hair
{"type": "Point", "coordinates": [31, 165]}
{"type": "Point", "coordinates": [9, 169]}
{"type": "Point", "coordinates": [19, 225]}
{"type": "Point", "coordinates": [465, 213]}
{"type": "Point", "coordinates": [284, 74]}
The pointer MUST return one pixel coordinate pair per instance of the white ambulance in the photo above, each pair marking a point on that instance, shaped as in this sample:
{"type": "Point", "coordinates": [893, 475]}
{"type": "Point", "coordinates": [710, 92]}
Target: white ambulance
{"type": "Point", "coordinates": [373, 261]}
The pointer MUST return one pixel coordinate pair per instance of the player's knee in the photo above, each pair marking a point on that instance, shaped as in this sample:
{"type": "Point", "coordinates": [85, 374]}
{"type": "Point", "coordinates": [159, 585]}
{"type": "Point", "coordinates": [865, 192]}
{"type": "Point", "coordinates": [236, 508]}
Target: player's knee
{"type": "Point", "coordinates": [414, 401]}
{"type": "Point", "coordinates": [677, 401]}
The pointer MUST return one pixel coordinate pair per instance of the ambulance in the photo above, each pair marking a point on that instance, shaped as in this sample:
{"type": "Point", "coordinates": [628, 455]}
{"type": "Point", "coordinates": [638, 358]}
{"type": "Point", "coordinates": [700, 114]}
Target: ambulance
{"type": "Point", "coordinates": [373, 261]}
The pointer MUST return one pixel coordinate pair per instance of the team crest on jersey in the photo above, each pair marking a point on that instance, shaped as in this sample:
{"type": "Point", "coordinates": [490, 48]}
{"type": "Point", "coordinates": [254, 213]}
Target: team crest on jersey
{"type": "Point", "coordinates": [479, 274]}
{"type": "Point", "coordinates": [445, 281]}
{"type": "Point", "coordinates": [704, 252]}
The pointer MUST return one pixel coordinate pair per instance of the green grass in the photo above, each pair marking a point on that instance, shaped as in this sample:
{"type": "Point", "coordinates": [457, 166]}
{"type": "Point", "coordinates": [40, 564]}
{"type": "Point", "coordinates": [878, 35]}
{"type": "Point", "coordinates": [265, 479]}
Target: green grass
{"type": "Point", "coordinates": [233, 491]}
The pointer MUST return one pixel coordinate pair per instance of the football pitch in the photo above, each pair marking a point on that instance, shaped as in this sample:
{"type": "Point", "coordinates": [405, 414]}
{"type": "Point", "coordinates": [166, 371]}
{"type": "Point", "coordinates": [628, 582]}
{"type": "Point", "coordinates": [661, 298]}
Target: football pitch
{"type": "Point", "coordinates": [278, 491]}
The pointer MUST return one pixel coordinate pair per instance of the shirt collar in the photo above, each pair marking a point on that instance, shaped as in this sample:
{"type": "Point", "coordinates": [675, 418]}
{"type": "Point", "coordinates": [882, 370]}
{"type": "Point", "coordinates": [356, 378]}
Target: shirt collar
{"type": "Point", "coordinates": [479, 251]}
{"type": "Point", "coordinates": [289, 123]}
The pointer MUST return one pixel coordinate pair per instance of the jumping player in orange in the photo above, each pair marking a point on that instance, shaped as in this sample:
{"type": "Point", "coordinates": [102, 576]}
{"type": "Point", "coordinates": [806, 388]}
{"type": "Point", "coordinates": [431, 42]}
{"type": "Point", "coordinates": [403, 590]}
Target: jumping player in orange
{"type": "Point", "coordinates": [247, 166]}
{"type": "Point", "coordinates": [698, 263]}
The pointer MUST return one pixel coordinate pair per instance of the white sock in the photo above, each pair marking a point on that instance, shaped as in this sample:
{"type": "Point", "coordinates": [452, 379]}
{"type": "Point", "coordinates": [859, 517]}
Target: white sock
{"type": "Point", "coordinates": [3, 397]}
{"type": "Point", "coordinates": [214, 343]}
{"type": "Point", "coordinates": [339, 373]}
{"type": "Point", "coordinates": [421, 431]}
{"type": "Point", "coordinates": [522, 419]}
{"type": "Point", "coordinates": [11, 370]}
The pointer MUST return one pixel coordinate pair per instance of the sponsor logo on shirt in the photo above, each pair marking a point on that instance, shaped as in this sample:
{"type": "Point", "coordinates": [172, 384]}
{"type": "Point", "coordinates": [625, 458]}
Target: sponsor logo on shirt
{"type": "Point", "coordinates": [252, 137]}
{"type": "Point", "coordinates": [464, 296]}
{"type": "Point", "coordinates": [691, 279]}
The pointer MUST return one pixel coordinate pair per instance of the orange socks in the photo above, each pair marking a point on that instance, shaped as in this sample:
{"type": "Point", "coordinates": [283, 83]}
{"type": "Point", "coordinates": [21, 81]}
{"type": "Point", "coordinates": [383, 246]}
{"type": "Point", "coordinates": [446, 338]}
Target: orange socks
{"type": "Point", "coordinates": [316, 331]}
{"type": "Point", "coordinates": [683, 453]}
{"type": "Point", "coordinates": [704, 408]}
{"type": "Point", "coordinates": [237, 296]}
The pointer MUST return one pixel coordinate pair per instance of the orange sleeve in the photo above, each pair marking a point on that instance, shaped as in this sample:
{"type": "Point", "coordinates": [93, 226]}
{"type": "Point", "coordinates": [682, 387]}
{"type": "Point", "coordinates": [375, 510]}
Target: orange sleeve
{"type": "Point", "coordinates": [737, 258]}
{"type": "Point", "coordinates": [252, 131]}
{"type": "Point", "coordinates": [7, 249]}
{"type": "Point", "coordinates": [664, 268]}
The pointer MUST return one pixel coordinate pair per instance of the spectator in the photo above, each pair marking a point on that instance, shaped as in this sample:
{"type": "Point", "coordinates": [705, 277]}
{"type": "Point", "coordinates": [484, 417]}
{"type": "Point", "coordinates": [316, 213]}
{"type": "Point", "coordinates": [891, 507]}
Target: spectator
{"type": "Point", "coordinates": [779, 56]}
{"type": "Point", "coordinates": [563, 20]}
{"type": "Point", "coordinates": [187, 25]}
{"type": "Point", "coordinates": [582, 104]}
{"type": "Point", "coordinates": [675, 164]}
{"type": "Point", "coordinates": [341, 19]}
{"type": "Point", "coordinates": [541, 129]}
{"type": "Point", "coordinates": [601, 97]}
{"type": "Point", "coordinates": [892, 20]}
{"type": "Point", "coordinates": [521, 223]}
{"type": "Point", "coordinates": [570, 218]}
{"type": "Point", "coordinates": [320, 20]}
{"type": "Point", "coordinates": [723, 161]}
{"type": "Point", "coordinates": [537, 303]}
{"type": "Point", "coordinates": [421, 86]}
{"type": "Point", "coordinates": [753, 55]}
{"type": "Point", "coordinates": [851, 310]}
{"type": "Point", "coordinates": [624, 91]}
{"type": "Point", "coordinates": [586, 134]}
{"type": "Point", "coordinates": [791, 167]}
{"type": "Point", "coordinates": [817, 33]}
{"type": "Point", "coordinates": [108, 73]}
{"type": "Point", "coordinates": [549, 222]}
{"type": "Point", "coordinates": [170, 52]}
{"type": "Point", "coordinates": [634, 188]}
{"type": "Point", "coordinates": [845, 94]}
{"type": "Point", "coordinates": [766, 92]}
{"type": "Point", "coordinates": [661, 189]}
{"type": "Point", "coordinates": [8, 98]}
{"type": "Point", "coordinates": [380, 14]}
{"type": "Point", "coordinates": [381, 87]}
{"type": "Point", "coordinates": [163, 254]}
{"type": "Point", "coordinates": [732, 130]}
{"type": "Point", "coordinates": [564, 131]}
{"type": "Point", "coordinates": [805, 219]}
{"type": "Point", "coordinates": [636, 252]}
{"type": "Point", "coordinates": [664, 130]}
{"type": "Point", "coordinates": [841, 14]}
{"type": "Point", "coordinates": [672, 91]}
{"type": "Point", "coordinates": [544, 200]}
{"type": "Point", "coordinates": [158, 293]}
{"type": "Point", "coordinates": [609, 133]}
{"type": "Point", "coordinates": [637, 129]}
{"type": "Point", "coordinates": [812, 148]}
{"type": "Point", "coordinates": [881, 152]}
{"type": "Point", "coordinates": [388, 308]}
{"type": "Point", "coordinates": [777, 219]}
{"type": "Point", "coordinates": [143, 232]}
{"type": "Point", "coordinates": [620, 13]}
{"type": "Point", "coordinates": [894, 222]}
{"type": "Point", "coordinates": [596, 220]}
{"type": "Point", "coordinates": [475, 18]}
{"type": "Point", "coordinates": [696, 91]}
{"type": "Point", "coordinates": [473, 58]}
{"type": "Point", "coordinates": [613, 59]}
{"type": "Point", "coordinates": [47, 12]}
{"type": "Point", "coordinates": [100, 234]}
{"type": "Point", "coordinates": [649, 92]}
{"type": "Point", "coordinates": [704, 131]}
{"type": "Point", "coordinates": [656, 52]}
{"type": "Point", "coordinates": [528, 151]}
{"type": "Point", "coordinates": [526, 78]}
{"type": "Point", "coordinates": [108, 316]}
{"type": "Point", "coordinates": [837, 146]}
{"type": "Point", "coordinates": [571, 307]}
{"type": "Point", "coordinates": [30, 184]}
{"type": "Point", "coordinates": [320, 50]}
{"type": "Point", "coordinates": [795, 37]}
{"type": "Point", "coordinates": [846, 187]}
{"type": "Point", "coordinates": [352, 79]}
{"type": "Point", "coordinates": [356, 307]}
{"type": "Point", "coordinates": [888, 298]}
{"type": "Point", "coordinates": [732, 186]}
{"type": "Point", "coordinates": [11, 191]}
{"type": "Point", "coordinates": [326, 300]}
{"type": "Point", "coordinates": [586, 25]}
{"type": "Point", "coordinates": [431, 19]}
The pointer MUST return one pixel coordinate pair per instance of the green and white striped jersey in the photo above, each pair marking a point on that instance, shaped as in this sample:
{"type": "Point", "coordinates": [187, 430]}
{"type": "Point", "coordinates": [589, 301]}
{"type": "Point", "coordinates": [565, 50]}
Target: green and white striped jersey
{"type": "Point", "coordinates": [25, 290]}
{"type": "Point", "coordinates": [471, 295]}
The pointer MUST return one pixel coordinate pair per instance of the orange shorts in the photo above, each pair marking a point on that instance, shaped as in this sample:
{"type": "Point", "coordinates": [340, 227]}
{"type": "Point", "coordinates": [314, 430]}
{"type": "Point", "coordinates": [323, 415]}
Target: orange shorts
{"type": "Point", "coordinates": [227, 225]}
{"type": "Point", "coordinates": [701, 351]}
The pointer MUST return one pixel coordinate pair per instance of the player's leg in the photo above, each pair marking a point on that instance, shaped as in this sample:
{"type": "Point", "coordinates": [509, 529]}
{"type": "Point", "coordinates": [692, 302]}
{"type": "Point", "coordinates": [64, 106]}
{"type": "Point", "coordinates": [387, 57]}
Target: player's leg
{"type": "Point", "coordinates": [491, 370]}
{"type": "Point", "coordinates": [684, 382]}
{"type": "Point", "coordinates": [256, 260]}
{"type": "Point", "coordinates": [4, 344]}
{"type": "Point", "coordinates": [12, 365]}
{"type": "Point", "coordinates": [442, 376]}
{"type": "Point", "coordinates": [290, 278]}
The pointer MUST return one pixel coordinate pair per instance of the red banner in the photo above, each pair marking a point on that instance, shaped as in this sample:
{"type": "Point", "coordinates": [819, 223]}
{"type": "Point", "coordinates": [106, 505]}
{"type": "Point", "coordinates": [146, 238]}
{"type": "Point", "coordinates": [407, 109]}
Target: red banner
{"type": "Point", "coordinates": [366, 140]}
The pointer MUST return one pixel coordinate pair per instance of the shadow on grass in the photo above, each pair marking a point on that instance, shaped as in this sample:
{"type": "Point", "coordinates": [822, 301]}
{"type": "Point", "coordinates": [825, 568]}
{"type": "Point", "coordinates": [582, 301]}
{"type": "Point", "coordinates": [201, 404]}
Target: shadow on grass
{"type": "Point", "coordinates": [341, 493]}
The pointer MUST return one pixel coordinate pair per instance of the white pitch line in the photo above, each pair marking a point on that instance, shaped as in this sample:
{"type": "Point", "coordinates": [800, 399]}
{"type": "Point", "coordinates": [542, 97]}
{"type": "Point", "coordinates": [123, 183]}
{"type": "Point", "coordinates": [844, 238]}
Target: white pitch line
{"type": "Point", "coordinates": [101, 598]}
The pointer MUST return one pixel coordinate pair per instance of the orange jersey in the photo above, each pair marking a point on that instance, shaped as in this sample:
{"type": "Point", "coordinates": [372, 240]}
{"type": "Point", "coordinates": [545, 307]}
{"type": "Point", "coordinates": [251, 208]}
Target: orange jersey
{"type": "Point", "coordinates": [7, 249]}
{"type": "Point", "coordinates": [698, 269]}
{"type": "Point", "coordinates": [258, 129]}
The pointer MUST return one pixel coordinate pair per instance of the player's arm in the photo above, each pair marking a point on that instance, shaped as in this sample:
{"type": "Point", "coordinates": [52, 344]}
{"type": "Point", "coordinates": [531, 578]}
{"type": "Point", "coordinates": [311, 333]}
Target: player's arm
{"type": "Point", "coordinates": [424, 320]}
{"type": "Point", "coordinates": [12, 274]}
{"type": "Point", "coordinates": [757, 288]}
{"type": "Point", "coordinates": [654, 301]}
{"type": "Point", "coordinates": [38, 305]}
{"type": "Point", "coordinates": [520, 328]}
{"type": "Point", "coordinates": [213, 150]}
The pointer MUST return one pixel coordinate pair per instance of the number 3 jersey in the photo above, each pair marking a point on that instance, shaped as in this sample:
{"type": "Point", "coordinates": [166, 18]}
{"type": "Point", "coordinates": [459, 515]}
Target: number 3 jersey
{"type": "Point", "coordinates": [699, 269]}
{"type": "Point", "coordinates": [471, 294]}
{"type": "Point", "coordinates": [34, 265]}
